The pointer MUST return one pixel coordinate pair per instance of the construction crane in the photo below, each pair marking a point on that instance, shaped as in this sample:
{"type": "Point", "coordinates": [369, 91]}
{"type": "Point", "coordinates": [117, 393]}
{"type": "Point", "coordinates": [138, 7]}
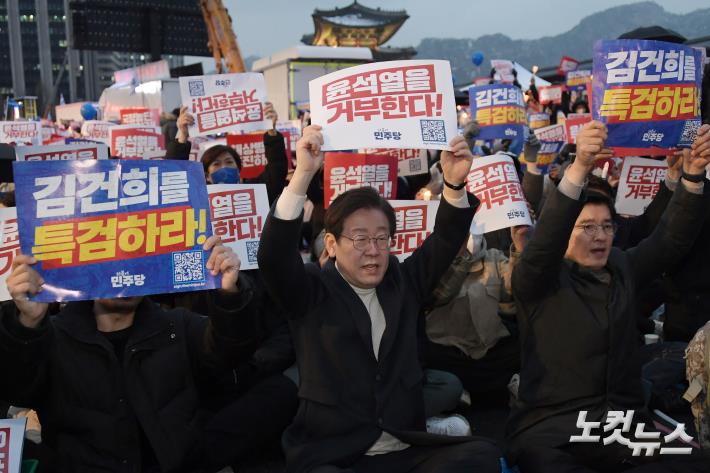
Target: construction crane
{"type": "Point", "coordinates": [222, 40]}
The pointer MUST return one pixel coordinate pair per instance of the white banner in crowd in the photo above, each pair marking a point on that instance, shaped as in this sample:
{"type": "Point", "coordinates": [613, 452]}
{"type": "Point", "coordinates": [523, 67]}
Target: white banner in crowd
{"type": "Point", "coordinates": [415, 222]}
{"type": "Point", "coordinates": [410, 162]}
{"type": "Point", "coordinates": [238, 213]}
{"type": "Point", "coordinates": [97, 131]}
{"type": "Point", "coordinates": [12, 437]}
{"type": "Point", "coordinates": [133, 141]}
{"type": "Point", "coordinates": [62, 152]}
{"type": "Point", "coordinates": [504, 70]}
{"type": "Point", "coordinates": [552, 133]}
{"type": "Point", "coordinates": [395, 104]}
{"type": "Point", "coordinates": [21, 133]}
{"type": "Point", "coordinates": [640, 180]}
{"type": "Point", "coordinates": [225, 103]}
{"type": "Point", "coordinates": [494, 180]}
{"type": "Point", "coordinates": [293, 128]}
{"type": "Point", "coordinates": [9, 247]}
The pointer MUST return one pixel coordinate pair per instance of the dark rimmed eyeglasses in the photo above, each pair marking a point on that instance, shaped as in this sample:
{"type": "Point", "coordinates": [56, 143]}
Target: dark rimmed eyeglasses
{"type": "Point", "coordinates": [362, 242]}
{"type": "Point", "coordinates": [591, 229]}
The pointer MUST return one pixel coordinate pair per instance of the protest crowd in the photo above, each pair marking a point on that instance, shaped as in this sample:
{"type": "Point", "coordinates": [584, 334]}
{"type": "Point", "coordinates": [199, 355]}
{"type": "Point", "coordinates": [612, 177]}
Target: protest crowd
{"type": "Point", "coordinates": [219, 294]}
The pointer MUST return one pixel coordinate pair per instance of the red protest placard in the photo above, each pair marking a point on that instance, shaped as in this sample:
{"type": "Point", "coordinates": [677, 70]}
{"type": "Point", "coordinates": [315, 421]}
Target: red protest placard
{"type": "Point", "coordinates": [574, 124]}
{"type": "Point", "coordinates": [251, 150]}
{"type": "Point", "coordinates": [345, 171]}
{"type": "Point", "coordinates": [132, 142]}
{"type": "Point", "coordinates": [140, 116]}
{"type": "Point", "coordinates": [551, 94]}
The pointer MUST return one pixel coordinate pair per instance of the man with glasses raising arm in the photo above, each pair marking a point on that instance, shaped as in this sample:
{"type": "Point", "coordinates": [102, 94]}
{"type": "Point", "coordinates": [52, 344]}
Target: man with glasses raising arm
{"type": "Point", "coordinates": [576, 296]}
{"type": "Point", "coordinates": [354, 326]}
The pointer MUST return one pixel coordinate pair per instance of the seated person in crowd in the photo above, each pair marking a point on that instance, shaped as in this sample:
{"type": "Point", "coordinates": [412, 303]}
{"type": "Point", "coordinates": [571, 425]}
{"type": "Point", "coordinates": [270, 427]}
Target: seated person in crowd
{"type": "Point", "coordinates": [118, 382]}
{"type": "Point", "coordinates": [470, 326]}
{"type": "Point", "coordinates": [354, 326]}
{"type": "Point", "coordinates": [576, 296]}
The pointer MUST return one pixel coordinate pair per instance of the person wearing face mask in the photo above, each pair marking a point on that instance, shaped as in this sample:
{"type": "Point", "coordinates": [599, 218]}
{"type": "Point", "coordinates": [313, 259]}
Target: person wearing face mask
{"type": "Point", "coordinates": [225, 161]}
{"type": "Point", "coordinates": [354, 326]}
{"type": "Point", "coordinates": [222, 165]}
{"type": "Point", "coordinates": [576, 297]}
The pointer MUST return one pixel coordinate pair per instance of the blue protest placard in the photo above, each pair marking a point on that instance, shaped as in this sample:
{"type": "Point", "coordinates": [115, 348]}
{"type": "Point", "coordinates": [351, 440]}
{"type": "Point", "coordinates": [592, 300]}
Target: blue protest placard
{"type": "Point", "coordinates": [647, 93]}
{"type": "Point", "coordinates": [499, 109]}
{"type": "Point", "coordinates": [577, 80]}
{"type": "Point", "coordinates": [111, 228]}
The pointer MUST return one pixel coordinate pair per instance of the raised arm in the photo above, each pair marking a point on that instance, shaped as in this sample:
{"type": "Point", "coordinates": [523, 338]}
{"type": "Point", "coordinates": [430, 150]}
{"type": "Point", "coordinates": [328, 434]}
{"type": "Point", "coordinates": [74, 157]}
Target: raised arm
{"type": "Point", "coordinates": [274, 175]}
{"type": "Point", "coordinates": [25, 337]}
{"type": "Point", "coordinates": [540, 262]}
{"type": "Point", "coordinates": [644, 224]}
{"type": "Point", "coordinates": [279, 259]}
{"type": "Point", "coordinates": [428, 264]}
{"type": "Point", "coordinates": [683, 219]}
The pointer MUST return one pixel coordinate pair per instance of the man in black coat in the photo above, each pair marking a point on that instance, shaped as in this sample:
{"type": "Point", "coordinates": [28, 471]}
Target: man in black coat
{"type": "Point", "coordinates": [354, 326]}
{"type": "Point", "coordinates": [117, 382]}
{"type": "Point", "coordinates": [576, 296]}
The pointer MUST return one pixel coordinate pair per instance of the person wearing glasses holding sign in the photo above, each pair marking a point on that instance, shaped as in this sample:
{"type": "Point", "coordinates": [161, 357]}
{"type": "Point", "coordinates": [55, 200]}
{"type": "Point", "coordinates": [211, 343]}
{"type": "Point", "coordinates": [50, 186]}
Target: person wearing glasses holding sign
{"type": "Point", "coordinates": [354, 326]}
{"type": "Point", "coordinates": [576, 296]}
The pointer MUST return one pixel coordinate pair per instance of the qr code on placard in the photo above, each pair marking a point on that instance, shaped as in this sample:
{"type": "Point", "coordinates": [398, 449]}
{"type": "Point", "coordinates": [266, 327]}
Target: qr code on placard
{"type": "Point", "coordinates": [415, 165]}
{"type": "Point", "coordinates": [188, 267]}
{"type": "Point", "coordinates": [433, 130]}
{"type": "Point", "coordinates": [197, 88]}
{"type": "Point", "coordinates": [252, 250]}
{"type": "Point", "coordinates": [690, 129]}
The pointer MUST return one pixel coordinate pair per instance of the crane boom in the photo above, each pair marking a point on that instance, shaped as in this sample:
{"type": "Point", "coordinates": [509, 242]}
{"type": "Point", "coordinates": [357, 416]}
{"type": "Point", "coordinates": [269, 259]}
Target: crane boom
{"type": "Point", "coordinates": [222, 40]}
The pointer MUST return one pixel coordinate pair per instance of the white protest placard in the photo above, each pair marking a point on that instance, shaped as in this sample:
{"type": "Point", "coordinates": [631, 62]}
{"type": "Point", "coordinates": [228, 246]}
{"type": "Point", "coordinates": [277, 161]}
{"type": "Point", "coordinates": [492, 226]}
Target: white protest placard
{"type": "Point", "coordinates": [504, 68]}
{"type": "Point", "coordinates": [21, 133]}
{"type": "Point", "coordinates": [12, 437]}
{"type": "Point", "coordinates": [156, 154]}
{"type": "Point", "coordinates": [550, 94]}
{"type": "Point", "coordinates": [47, 132]}
{"type": "Point", "coordinates": [415, 222]}
{"type": "Point", "coordinates": [640, 180]}
{"type": "Point", "coordinates": [552, 133]}
{"type": "Point", "coordinates": [410, 162]}
{"type": "Point", "coordinates": [225, 103]}
{"type": "Point", "coordinates": [62, 152]}
{"type": "Point", "coordinates": [238, 213]}
{"type": "Point", "coordinates": [293, 128]}
{"type": "Point", "coordinates": [9, 246]}
{"type": "Point", "coordinates": [97, 130]}
{"type": "Point", "coordinates": [395, 104]}
{"type": "Point", "coordinates": [494, 180]}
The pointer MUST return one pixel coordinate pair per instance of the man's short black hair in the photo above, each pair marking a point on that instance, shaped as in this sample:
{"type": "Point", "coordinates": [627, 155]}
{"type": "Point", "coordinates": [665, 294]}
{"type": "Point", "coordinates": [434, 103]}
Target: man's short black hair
{"type": "Point", "coordinates": [593, 196]}
{"type": "Point", "coordinates": [350, 202]}
{"type": "Point", "coordinates": [602, 186]}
